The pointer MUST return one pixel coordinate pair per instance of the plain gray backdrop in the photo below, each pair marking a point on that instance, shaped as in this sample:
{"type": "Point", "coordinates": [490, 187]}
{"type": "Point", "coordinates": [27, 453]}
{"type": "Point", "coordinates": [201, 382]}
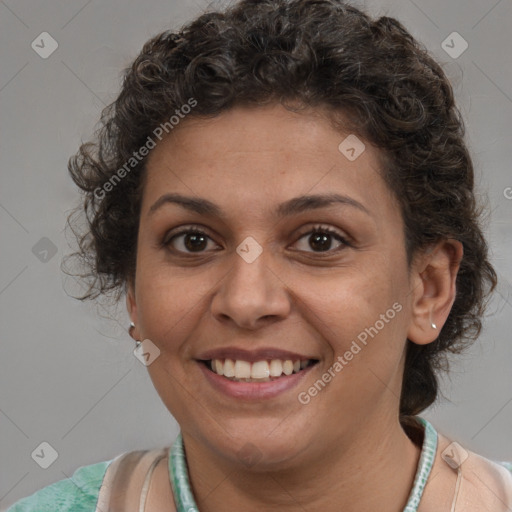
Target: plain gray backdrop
{"type": "Point", "coordinates": [68, 376]}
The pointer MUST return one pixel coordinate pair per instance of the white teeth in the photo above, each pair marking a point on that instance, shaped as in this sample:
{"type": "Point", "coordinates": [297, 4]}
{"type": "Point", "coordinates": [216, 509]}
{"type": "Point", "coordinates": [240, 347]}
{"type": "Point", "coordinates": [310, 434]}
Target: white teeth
{"type": "Point", "coordinates": [276, 368]}
{"type": "Point", "coordinates": [288, 367]}
{"type": "Point", "coordinates": [260, 371]}
{"type": "Point", "coordinates": [229, 367]}
{"type": "Point", "coordinates": [218, 367]}
{"type": "Point", "coordinates": [242, 369]}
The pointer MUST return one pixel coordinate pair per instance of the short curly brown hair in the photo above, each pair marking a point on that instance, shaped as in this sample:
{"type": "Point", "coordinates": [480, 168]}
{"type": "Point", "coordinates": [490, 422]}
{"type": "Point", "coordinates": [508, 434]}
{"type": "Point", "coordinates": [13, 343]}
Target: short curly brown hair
{"type": "Point", "coordinates": [315, 53]}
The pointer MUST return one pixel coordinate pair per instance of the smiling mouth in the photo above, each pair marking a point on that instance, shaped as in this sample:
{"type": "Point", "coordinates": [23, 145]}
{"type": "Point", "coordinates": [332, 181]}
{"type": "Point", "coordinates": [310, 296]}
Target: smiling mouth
{"type": "Point", "coordinates": [259, 371]}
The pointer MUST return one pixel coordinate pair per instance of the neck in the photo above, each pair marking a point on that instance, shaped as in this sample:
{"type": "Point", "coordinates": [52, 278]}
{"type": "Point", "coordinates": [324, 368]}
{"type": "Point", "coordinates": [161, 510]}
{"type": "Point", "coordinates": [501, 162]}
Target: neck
{"type": "Point", "coordinates": [373, 468]}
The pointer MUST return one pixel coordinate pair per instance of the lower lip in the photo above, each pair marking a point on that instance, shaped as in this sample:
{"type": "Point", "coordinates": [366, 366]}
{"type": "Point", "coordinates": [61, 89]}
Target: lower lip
{"type": "Point", "coordinates": [254, 390]}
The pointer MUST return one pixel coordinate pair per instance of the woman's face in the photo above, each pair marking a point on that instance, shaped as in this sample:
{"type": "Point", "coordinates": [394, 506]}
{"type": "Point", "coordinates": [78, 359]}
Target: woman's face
{"type": "Point", "coordinates": [259, 282]}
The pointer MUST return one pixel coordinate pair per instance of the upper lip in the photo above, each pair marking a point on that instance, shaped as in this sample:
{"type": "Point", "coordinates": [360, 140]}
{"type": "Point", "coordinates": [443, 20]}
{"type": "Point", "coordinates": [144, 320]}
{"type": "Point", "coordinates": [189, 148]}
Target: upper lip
{"type": "Point", "coordinates": [251, 355]}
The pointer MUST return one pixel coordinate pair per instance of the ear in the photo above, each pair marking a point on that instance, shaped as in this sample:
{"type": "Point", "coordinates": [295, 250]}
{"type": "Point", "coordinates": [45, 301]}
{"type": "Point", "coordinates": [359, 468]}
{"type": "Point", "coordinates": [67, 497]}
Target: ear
{"type": "Point", "coordinates": [131, 306]}
{"type": "Point", "coordinates": [433, 277]}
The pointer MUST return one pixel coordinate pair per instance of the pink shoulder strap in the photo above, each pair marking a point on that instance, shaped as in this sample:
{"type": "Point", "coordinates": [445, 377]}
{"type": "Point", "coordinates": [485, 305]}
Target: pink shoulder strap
{"type": "Point", "coordinates": [126, 481]}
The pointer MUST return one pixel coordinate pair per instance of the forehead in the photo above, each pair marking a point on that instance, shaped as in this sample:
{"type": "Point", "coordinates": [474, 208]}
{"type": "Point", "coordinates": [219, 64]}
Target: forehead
{"type": "Point", "coordinates": [248, 130]}
{"type": "Point", "coordinates": [263, 155]}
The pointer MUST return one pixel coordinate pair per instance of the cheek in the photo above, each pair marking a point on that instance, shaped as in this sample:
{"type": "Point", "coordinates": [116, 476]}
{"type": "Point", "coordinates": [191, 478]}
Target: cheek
{"type": "Point", "coordinates": [361, 317]}
{"type": "Point", "coordinates": [169, 303]}
{"type": "Point", "coordinates": [348, 300]}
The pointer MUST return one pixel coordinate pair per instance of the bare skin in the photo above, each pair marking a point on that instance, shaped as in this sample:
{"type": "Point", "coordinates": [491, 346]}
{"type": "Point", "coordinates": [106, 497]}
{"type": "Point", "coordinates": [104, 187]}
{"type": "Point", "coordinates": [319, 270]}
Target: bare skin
{"type": "Point", "coordinates": [344, 449]}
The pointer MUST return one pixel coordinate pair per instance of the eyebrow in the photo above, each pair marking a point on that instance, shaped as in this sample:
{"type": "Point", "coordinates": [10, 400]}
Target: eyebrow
{"type": "Point", "coordinates": [292, 206]}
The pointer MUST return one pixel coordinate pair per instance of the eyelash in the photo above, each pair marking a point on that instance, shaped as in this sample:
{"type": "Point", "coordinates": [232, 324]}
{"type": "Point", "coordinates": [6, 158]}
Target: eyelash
{"type": "Point", "coordinates": [316, 229]}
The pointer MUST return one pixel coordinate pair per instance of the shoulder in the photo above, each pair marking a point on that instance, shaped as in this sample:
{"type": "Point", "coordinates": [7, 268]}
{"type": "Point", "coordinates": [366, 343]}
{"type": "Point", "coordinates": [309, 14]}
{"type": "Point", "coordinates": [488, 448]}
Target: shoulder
{"type": "Point", "coordinates": [499, 473]}
{"type": "Point", "coordinates": [489, 481]}
{"type": "Point", "coordinates": [484, 482]}
{"type": "Point", "coordinates": [79, 493]}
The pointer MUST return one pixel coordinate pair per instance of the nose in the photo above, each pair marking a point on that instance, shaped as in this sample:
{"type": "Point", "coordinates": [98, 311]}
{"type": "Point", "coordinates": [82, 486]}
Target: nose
{"type": "Point", "coordinates": [251, 294]}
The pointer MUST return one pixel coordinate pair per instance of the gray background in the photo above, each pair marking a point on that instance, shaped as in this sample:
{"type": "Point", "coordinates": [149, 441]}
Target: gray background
{"type": "Point", "coordinates": [68, 375]}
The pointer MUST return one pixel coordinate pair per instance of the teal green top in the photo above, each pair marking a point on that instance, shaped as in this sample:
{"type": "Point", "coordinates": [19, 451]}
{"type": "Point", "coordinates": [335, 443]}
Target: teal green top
{"type": "Point", "coordinates": [79, 493]}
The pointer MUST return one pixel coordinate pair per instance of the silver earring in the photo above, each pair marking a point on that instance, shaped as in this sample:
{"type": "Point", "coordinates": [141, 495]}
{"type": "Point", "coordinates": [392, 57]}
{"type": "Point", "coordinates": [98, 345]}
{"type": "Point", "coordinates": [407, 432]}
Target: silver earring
{"type": "Point", "coordinates": [432, 324]}
{"type": "Point", "coordinates": [130, 329]}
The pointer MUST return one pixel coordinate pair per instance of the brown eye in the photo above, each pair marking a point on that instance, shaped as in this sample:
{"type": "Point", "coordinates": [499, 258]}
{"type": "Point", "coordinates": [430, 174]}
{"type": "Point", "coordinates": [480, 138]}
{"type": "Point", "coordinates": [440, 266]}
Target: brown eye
{"type": "Point", "coordinates": [320, 239]}
{"type": "Point", "coordinates": [188, 241]}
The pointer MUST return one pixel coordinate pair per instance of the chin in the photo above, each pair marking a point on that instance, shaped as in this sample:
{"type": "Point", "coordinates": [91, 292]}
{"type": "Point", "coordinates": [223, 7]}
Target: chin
{"type": "Point", "coordinates": [260, 448]}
